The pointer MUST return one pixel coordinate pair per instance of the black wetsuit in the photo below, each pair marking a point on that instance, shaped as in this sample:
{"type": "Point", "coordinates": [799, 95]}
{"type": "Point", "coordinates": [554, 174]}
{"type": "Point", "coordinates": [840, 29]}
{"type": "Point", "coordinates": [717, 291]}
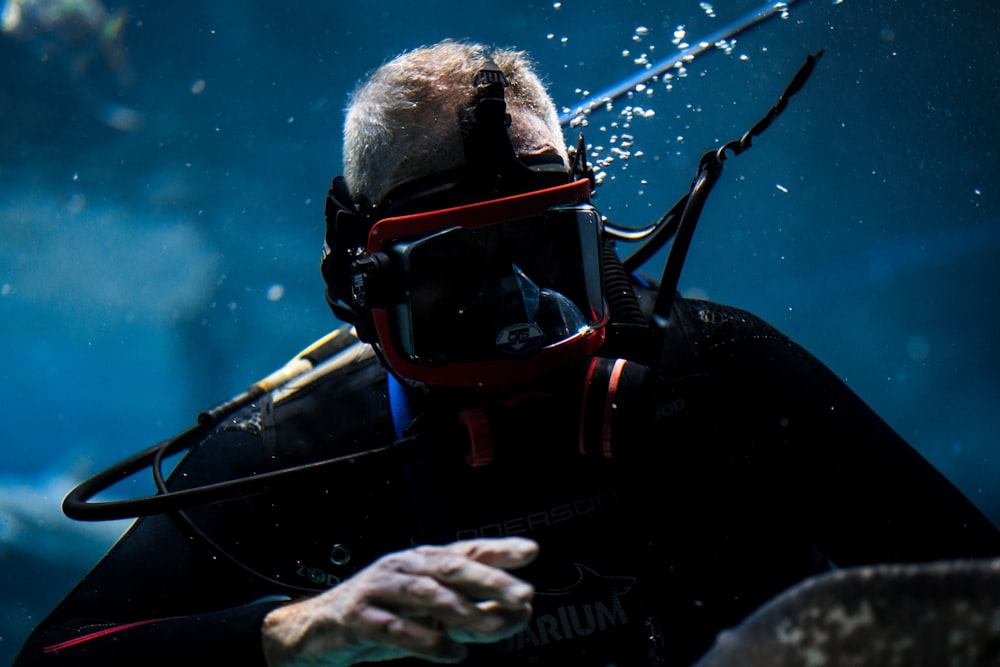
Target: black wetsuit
{"type": "Point", "coordinates": [755, 468]}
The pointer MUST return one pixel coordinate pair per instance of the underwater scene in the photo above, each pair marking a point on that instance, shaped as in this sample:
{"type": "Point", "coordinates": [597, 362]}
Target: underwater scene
{"type": "Point", "coordinates": [164, 168]}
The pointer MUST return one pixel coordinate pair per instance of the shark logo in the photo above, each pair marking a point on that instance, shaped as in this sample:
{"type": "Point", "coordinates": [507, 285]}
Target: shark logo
{"type": "Point", "coordinates": [591, 604]}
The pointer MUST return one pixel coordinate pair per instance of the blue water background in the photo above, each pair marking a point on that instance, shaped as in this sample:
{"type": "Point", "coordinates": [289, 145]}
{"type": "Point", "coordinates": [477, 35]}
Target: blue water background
{"type": "Point", "coordinates": [146, 275]}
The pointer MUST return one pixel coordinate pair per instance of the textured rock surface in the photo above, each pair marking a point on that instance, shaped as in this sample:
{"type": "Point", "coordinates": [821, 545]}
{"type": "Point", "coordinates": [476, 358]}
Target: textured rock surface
{"type": "Point", "coordinates": [945, 613]}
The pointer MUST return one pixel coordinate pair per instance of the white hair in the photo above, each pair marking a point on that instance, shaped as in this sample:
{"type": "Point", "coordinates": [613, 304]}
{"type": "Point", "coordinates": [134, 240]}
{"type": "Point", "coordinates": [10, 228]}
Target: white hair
{"type": "Point", "coordinates": [403, 122]}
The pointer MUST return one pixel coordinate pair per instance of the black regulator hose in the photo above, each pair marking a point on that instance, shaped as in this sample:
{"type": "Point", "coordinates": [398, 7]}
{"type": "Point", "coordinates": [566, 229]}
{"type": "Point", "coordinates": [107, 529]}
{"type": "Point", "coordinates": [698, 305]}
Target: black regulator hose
{"type": "Point", "coordinates": [709, 171]}
{"type": "Point", "coordinates": [77, 504]}
{"type": "Point", "coordinates": [623, 305]}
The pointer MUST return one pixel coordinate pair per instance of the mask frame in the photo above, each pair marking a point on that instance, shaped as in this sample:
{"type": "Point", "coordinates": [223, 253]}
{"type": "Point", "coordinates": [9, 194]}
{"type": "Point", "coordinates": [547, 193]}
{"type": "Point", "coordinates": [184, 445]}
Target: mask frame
{"type": "Point", "coordinates": [505, 351]}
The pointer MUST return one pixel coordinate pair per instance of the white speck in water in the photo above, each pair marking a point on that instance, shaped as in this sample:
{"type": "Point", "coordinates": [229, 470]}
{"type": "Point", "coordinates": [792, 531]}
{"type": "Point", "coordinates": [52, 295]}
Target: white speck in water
{"type": "Point", "coordinates": [275, 292]}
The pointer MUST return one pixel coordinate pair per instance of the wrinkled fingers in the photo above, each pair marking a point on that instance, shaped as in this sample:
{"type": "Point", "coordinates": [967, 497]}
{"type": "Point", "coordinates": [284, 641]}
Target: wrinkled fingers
{"type": "Point", "coordinates": [474, 580]}
{"type": "Point", "coordinates": [427, 596]}
{"type": "Point", "coordinates": [384, 634]}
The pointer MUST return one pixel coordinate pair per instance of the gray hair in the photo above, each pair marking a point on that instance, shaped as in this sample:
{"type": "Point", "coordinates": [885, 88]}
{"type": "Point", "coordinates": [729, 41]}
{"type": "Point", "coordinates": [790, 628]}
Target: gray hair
{"type": "Point", "coordinates": [403, 122]}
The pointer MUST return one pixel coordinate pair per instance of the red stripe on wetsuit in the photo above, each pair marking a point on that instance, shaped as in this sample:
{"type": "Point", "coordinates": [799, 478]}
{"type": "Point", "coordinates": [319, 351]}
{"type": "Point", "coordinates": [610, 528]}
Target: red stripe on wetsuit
{"type": "Point", "coordinates": [97, 635]}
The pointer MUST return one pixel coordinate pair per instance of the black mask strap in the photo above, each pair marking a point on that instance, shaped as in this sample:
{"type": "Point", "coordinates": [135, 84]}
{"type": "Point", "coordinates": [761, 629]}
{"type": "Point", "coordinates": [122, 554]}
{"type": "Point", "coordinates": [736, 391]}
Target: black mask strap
{"type": "Point", "coordinates": [345, 241]}
{"type": "Point", "coordinates": [489, 155]}
{"type": "Point", "coordinates": [492, 167]}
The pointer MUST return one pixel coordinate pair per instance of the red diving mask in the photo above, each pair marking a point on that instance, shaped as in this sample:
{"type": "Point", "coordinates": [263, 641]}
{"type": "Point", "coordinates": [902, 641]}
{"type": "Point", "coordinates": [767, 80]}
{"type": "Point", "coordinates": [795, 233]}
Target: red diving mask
{"type": "Point", "coordinates": [487, 294]}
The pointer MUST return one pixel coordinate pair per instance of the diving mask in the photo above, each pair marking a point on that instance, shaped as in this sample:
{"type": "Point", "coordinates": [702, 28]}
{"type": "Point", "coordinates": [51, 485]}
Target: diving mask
{"type": "Point", "coordinates": [487, 294]}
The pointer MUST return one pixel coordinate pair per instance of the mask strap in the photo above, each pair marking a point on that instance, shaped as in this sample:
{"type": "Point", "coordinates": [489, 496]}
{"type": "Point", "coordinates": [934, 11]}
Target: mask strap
{"type": "Point", "coordinates": [489, 152]}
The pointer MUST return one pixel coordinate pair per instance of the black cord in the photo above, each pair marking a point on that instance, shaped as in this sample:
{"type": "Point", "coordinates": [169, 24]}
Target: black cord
{"type": "Point", "coordinates": [668, 226]}
{"type": "Point", "coordinates": [794, 86]}
{"type": "Point", "coordinates": [709, 171]}
{"type": "Point", "coordinates": [188, 522]}
{"type": "Point", "coordinates": [76, 505]}
{"type": "Point", "coordinates": [662, 231]}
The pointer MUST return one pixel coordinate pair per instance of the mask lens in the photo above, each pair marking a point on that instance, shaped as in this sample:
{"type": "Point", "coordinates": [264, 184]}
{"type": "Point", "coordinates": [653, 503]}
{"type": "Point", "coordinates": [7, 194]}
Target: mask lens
{"type": "Point", "coordinates": [499, 291]}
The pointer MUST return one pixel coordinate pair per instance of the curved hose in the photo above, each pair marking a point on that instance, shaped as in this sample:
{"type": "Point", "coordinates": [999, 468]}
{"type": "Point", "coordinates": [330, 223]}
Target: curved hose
{"type": "Point", "coordinates": [623, 304]}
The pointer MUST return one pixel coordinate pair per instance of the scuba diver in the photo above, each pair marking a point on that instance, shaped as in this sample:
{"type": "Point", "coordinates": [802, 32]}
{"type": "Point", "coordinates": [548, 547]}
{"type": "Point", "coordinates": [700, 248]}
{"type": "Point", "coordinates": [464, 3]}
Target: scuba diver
{"type": "Point", "coordinates": [518, 450]}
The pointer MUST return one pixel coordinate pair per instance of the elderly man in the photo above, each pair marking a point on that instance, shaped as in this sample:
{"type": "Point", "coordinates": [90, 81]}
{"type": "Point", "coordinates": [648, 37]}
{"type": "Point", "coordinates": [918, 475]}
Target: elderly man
{"type": "Point", "coordinates": [530, 465]}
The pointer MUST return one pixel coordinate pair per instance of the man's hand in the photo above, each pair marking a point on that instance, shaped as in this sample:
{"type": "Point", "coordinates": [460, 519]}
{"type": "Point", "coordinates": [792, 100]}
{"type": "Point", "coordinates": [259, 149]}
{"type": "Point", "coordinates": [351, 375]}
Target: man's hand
{"type": "Point", "coordinates": [425, 602]}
